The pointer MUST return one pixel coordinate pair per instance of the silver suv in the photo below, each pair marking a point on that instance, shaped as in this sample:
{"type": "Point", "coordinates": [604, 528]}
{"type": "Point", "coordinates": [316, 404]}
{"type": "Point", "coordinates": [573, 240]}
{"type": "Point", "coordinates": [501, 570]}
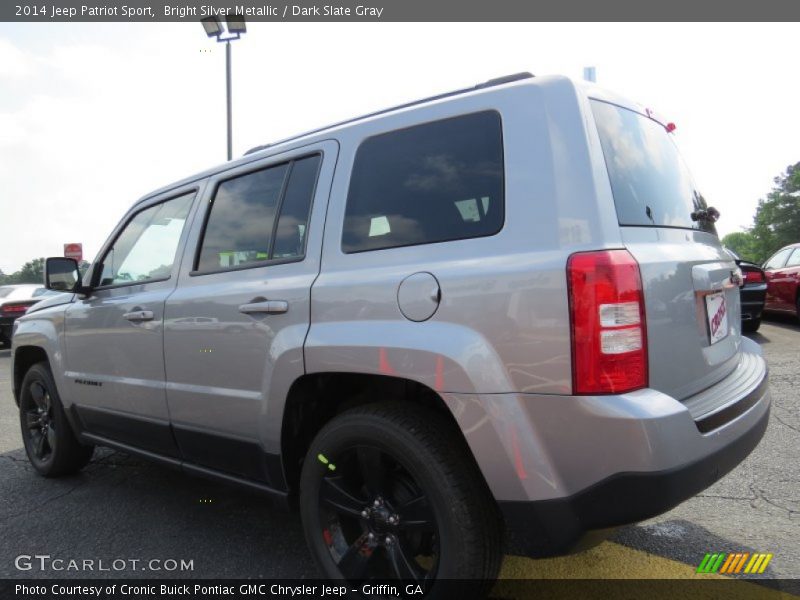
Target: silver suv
{"type": "Point", "coordinates": [498, 318]}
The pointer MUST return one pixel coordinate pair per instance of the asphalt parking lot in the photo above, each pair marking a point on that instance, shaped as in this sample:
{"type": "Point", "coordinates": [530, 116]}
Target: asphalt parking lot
{"type": "Point", "coordinates": [121, 507]}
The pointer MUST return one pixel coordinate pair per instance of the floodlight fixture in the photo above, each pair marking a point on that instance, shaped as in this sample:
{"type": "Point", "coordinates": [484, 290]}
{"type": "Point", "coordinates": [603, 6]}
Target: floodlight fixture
{"type": "Point", "coordinates": [212, 26]}
{"type": "Point", "coordinates": [236, 24]}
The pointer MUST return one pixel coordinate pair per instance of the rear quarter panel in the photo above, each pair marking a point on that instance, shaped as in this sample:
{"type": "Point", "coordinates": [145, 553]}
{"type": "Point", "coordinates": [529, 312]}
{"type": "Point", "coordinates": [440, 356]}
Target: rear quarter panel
{"type": "Point", "coordinates": [502, 324]}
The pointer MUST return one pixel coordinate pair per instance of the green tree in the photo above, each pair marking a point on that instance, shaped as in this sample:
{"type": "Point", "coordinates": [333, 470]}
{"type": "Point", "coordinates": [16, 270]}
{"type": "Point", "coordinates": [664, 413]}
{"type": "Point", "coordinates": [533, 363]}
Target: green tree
{"type": "Point", "coordinates": [31, 272]}
{"type": "Point", "coordinates": [777, 219]}
{"type": "Point", "coordinates": [743, 243]}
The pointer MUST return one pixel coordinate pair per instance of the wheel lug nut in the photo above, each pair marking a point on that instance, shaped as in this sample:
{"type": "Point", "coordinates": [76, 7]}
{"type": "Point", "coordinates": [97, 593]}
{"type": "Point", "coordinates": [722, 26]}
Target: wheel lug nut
{"type": "Point", "coordinates": [388, 540]}
{"type": "Point", "coordinates": [371, 536]}
{"type": "Point", "coordinates": [365, 513]}
{"type": "Point", "coordinates": [377, 502]}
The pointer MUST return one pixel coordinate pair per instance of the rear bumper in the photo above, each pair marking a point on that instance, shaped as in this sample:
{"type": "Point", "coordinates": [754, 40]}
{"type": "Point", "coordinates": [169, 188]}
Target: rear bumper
{"type": "Point", "coordinates": [752, 301]}
{"type": "Point", "coordinates": [561, 467]}
{"type": "Point", "coordinates": [561, 525]}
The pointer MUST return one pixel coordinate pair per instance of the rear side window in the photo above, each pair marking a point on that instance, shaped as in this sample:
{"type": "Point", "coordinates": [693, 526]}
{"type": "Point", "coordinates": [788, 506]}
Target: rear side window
{"type": "Point", "coordinates": [429, 183]}
{"type": "Point", "coordinates": [242, 229]}
{"type": "Point", "coordinates": [649, 180]}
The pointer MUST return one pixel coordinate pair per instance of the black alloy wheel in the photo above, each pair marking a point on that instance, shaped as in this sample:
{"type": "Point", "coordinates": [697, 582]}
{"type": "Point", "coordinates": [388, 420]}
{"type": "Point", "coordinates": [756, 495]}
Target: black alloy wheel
{"type": "Point", "coordinates": [377, 521]}
{"type": "Point", "coordinates": [50, 443]}
{"type": "Point", "coordinates": [390, 492]}
{"type": "Point", "coordinates": [41, 427]}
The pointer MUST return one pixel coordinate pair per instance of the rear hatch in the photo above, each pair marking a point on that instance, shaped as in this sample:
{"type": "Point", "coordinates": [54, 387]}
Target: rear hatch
{"type": "Point", "coordinates": [690, 283]}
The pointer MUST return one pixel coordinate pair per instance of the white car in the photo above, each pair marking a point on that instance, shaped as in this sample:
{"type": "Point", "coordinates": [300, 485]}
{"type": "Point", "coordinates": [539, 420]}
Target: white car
{"type": "Point", "coordinates": [15, 300]}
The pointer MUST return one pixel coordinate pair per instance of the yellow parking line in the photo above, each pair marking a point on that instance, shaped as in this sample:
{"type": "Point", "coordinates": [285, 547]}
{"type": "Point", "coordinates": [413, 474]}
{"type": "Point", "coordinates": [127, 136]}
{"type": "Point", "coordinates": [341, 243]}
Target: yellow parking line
{"type": "Point", "coordinates": [614, 561]}
{"type": "Point", "coordinates": [606, 561]}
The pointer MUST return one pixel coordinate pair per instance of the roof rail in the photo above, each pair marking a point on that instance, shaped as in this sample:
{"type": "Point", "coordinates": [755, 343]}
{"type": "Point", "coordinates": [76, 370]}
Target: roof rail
{"type": "Point", "coordinates": [487, 84]}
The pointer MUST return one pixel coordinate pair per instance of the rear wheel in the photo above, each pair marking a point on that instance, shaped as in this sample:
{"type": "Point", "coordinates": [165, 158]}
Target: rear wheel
{"type": "Point", "coordinates": [50, 443]}
{"type": "Point", "coordinates": [388, 492]}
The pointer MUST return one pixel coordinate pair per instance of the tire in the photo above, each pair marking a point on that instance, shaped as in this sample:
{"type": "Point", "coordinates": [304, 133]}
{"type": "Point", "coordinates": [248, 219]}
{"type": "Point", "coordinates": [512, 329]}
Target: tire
{"type": "Point", "coordinates": [751, 326]}
{"type": "Point", "coordinates": [797, 307]}
{"type": "Point", "coordinates": [50, 443]}
{"type": "Point", "coordinates": [380, 462]}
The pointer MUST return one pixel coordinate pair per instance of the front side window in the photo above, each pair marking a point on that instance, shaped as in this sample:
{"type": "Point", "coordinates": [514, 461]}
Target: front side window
{"type": "Point", "coordinates": [778, 260]}
{"type": "Point", "coordinates": [429, 183]}
{"type": "Point", "coordinates": [794, 259]}
{"type": "Point", "coordinates": [242, 229]}
{"type": "Point", "coordinates": [146, 248]}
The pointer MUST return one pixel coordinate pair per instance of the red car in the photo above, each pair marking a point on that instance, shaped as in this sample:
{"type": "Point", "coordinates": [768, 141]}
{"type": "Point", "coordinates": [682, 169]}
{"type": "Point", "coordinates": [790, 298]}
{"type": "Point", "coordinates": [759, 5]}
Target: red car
{"type": "Point", "coordinates": [783, 280]}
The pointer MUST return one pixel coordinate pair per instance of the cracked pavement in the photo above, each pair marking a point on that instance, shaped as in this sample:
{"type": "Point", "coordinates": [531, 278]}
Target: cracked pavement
{"type": "Point", "coordinates": [123, 507]}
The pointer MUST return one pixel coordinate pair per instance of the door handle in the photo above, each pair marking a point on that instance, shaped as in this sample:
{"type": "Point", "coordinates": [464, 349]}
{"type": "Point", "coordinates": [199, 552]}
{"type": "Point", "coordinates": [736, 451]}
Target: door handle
{"type": "Point", "coordinates": [270, 307]}
{"type": "Point", "coordinates": [139, 315]}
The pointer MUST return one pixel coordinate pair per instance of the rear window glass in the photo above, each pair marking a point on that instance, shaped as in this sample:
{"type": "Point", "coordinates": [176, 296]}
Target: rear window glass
{"type": "Point", "coordinates": [23, 292]}
{"type": "Point", "coordinates": [5, 291]}
{"type": "Point", "coordinates": [649, 180]}
{"type": "Point", "coordinates": [429, 183]}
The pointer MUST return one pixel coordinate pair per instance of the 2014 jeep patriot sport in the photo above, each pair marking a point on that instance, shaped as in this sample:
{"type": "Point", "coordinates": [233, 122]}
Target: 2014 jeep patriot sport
{"type": "Point", "coordinates": [498, 314]}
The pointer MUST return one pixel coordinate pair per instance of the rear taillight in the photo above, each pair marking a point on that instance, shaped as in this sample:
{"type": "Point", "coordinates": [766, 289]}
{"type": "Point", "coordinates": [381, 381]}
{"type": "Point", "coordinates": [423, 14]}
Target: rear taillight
{"type": "Point", "coordinates": [753, 276]}
{"type": "Point", "coordinates": [15, 309]}
{"type": "Point", "coordinates": [609, 333]}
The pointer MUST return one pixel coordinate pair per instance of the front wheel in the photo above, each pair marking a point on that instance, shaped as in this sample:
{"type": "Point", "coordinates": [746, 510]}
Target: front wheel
{"type": "Point", "coordinates": [390, 492]}
{"type": "Point", "coordinates": [50, 444]}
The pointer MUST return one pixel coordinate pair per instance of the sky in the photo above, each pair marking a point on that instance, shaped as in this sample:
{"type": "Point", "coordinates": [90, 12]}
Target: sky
{"type": "Point", "coordinates": [94, 116]}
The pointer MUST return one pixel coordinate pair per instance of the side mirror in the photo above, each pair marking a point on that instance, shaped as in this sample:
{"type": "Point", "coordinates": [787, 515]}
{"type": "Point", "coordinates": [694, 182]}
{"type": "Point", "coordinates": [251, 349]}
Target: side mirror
{"type": "Point", "coordinates": [62, 275]}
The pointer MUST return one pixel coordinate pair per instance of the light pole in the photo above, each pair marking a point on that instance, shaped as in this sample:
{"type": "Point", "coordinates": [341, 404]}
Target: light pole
{"type": "Point", "coordinates": [214, 28]}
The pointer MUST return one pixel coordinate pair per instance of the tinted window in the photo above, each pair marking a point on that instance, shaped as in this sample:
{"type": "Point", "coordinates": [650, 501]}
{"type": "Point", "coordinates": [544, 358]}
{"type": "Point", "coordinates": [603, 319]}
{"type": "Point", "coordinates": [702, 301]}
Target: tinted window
{"type": "Point", "coordinates": [241, 228]}
{"type": "Point", "coordinates": [290, 235]}
{"type": "Point", "coordinates": [650, 182]}
{"type": "Point", "coordinates": [429, 183]}
{"type": "Point", "coordinates": [146, 248]}
{"type": "Point", "coordinates": [778, 259]}
{"type": "Point", "coordinates": [5, 291]}
{"type": "Point", "coordinates": [794, 259]}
